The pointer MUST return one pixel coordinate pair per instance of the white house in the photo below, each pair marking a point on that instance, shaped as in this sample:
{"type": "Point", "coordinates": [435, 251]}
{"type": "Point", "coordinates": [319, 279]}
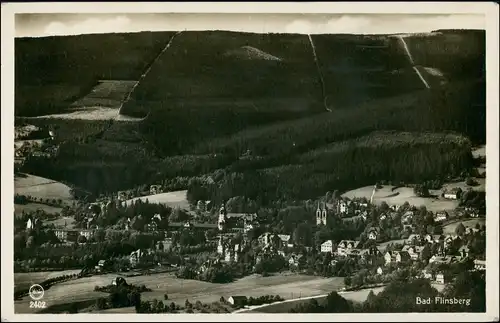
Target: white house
{"type": "Point", "coordinates": [440, 278]}
{"type": "Point", "coordinates": [452, 194]}
{"type": "Point", "coordinates": [237, 300]}
{"type": "Point", "coordinates": [327, 246]}
{"type": "Point", "coordinates": [373, 233]}
{"type": "Point", "coordinates": [32, 223]}
{"type": "Point", "coordinates": [441, 216]}
{"type": "Point", "coordinates": [343, 207]}
{"type": "Point", "coordinates": [285, 240]}
{"type": "Point", "coordinates": [413, 238]}
{"type": "Point", "coordinates": [345, 245]}
{"type": "Point", "coordinates": [155, 189]}
{"type": "Point", "coordinates": [479, 264]}
{"type": "Point", "coordinates": [380, 271]}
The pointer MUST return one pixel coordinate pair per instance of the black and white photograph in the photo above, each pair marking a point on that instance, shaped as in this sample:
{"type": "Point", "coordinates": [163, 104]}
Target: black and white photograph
{"type": "Point", "coordinates": [266, 164]}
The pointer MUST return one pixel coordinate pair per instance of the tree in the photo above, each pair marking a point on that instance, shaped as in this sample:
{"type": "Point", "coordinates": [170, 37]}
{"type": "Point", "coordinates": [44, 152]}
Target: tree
{"type": "Point", "coordinates": [460, 229]}
{"type": "Point", "coordinates": [336, 304]}
{"type": "Point", "coordinates": [82, 239]}
{"type": "Point", "coordinates": [426, 253]}
{"type": "Point", "coordinates": [165, 297]}
{"type": "Point", "coordinates": [302, 234]}
{"type": "Point", "coordinates": [172, 307]}
{"type": "Point", "coordinates": [30, 242]}
{"type": "Point", "coordinates": [101, 303]}
{"type": "Point", "coordinates": [438, 229]}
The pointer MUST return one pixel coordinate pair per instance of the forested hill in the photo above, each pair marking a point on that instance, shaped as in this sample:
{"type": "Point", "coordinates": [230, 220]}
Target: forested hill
{"type": "Point", "coordinates": [212, 97]}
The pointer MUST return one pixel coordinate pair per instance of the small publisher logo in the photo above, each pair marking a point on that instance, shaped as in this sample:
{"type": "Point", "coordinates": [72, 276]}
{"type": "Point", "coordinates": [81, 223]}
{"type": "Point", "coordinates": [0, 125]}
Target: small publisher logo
{"type": "Point", "coordinates": [36, 292]}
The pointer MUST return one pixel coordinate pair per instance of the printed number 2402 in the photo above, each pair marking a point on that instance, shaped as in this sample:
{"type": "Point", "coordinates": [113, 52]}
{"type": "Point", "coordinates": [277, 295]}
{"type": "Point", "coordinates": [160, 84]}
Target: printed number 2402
{"type": "Point", "coordinates": [37, 304]}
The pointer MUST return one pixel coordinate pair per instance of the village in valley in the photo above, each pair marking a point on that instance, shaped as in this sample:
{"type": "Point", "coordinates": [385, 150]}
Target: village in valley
{"type": "Point", "coordinates": [363, 239]}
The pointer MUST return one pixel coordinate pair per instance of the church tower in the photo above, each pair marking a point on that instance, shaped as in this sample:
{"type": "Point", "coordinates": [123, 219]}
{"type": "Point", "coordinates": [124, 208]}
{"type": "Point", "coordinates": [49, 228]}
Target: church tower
{"type": "Point", "coordinates": [324, 213]}
{"type": "Point", "coordinates": [318, 215]}
{"type": "Point", "coordinates": [222, 218]}
{"type": "Point", "coordinates": [321, 214]}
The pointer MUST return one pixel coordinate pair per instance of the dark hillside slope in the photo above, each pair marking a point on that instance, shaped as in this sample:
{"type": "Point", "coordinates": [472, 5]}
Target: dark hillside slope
{"type": "Point", "coordinates": [458, 107]}
{"type": "Point", "coordinates": [52, 72]}
{"type": "Point", "coordinates": [359, 68]}
{"type": "Point", "coordinates": [215, 83]}
{"type": "Point", "coordinates": [459, 54]}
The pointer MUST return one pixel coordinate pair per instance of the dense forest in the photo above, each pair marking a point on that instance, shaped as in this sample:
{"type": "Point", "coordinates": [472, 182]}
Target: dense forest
{"type": "Point", "coordinates": [52, 72]}
{"type": "Point", "coordinates": [247, 108]}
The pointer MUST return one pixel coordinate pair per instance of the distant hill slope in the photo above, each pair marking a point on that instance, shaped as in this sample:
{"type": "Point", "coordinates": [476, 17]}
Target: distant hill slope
{"type": "Point", "coordinates": [53, 72]}
{"type": "Point", "coordinates": [213, 95]}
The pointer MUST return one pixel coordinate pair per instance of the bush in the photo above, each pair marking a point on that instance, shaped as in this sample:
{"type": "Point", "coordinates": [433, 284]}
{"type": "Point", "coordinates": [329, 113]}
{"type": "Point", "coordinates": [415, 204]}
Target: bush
{"type": "Point", "coordinates": [165, 297]}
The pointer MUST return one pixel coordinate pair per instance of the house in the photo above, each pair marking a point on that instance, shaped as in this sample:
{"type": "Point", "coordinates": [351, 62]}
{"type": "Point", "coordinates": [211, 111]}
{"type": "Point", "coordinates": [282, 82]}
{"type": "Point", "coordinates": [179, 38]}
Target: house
{"type": "Point", "coordinates": [164, 245]}
{"type": "Point", "coordinates": [327, 246]}
{"type": "Point", "coordinates": [413, 238]}
{"type": "Point", "coordinates": [380, 271]}
{"type": "Point", "coordinates": [426, 274]}
{"type": "Point", "coordinates": [122, 196]}
{"type": "Point", "coordinates": [407, 217]}
{"type": "Point", "coordinates": [32, 223]}
{"type": "Point", "coordinates": [321, 214]}
{"type": "Point", "coordinates": [102, 265]}
{"type": "Point", "coordinates": [373, 233]}
{"type": "Point", "coordinates": [413, 251]}
{"type": "Point", "coordinates": [470, 230]}
{"type": "Point", "coordinates": [446, 260]}
{"type": "Point", "coordinates": [441, 278]}
{"type": "Point", "coordinates": [72, 235]}
{"type": "Point", "coordinates": [86, 233]}
{"type": "Point", "coordinates": [402, 256]}
{"type": "Point", "coordinates": [343, 207]}
{"type": "Point", "coordinates": [396, 256]}
{"type": "Point", "coordinates": [441, 216]}
{"type": "Point", "coordinates": [296, 260]}
{"type": "Point", "coordinates": [237, 300]}
{"type": "Point", "coordinates": [452, 194]}
{"type": "Point", "coordinates": [449, 240]}
{"type": "Point", "coordinates": [265, 239]}
{"type": "Point", "coordinates": [118, 281]}
{"type": "Point", "coordinates": [395, 207]}
{"type": "Point", "coordinates": [355, 252]}
{"type": "Point", "coordinates": [383, 216]}
{"type": "Point", "coordinates": [135, 257]}
{"type": "Point", "coordinates": [285, 240]}
{"type": "Point", "coordinates": [479, 264]}
{"type": "Point", "coordinates": [464, 251]}
{"type": "Point", "coordinates": [364, 215]}
{"type": "Point", "coordinates": [155, 189]}
{"type": "Point", "coordinates": [345, 245]}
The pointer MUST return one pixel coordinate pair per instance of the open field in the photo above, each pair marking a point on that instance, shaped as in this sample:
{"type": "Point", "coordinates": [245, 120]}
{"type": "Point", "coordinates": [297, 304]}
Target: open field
{"type": "Point", "coordinates": [287, 286]}
{"type": "Point", "coordinates": [450, 228]}
{"type": "Point", "coordinates": [39, 187]}
{"type": "Point", "coordinates": [480, 187]}
{"type": "Point", "coordinates": [31, 207]}
{"type": "Point", "coordinates": [172, 199]}
{"type": "Point", "coordinates": [22, 280]}
{"type": "Point", "coordinates": [399, 196]}
{"type": "Point", "coordinates": [90, 113]}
